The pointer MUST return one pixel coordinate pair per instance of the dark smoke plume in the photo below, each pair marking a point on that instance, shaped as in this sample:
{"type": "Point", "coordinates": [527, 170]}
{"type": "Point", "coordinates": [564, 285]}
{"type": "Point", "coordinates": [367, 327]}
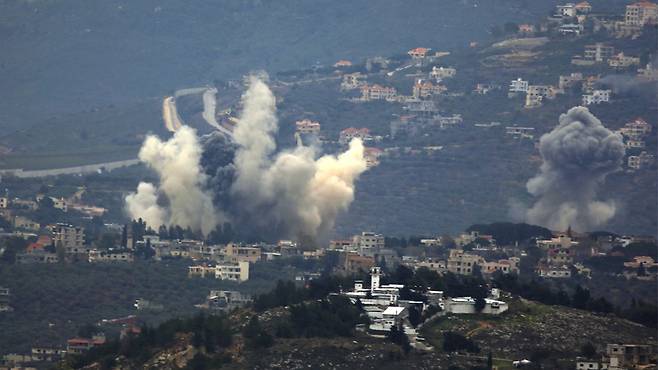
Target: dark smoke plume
{"type": "Point", "coordinates": [577, 156]}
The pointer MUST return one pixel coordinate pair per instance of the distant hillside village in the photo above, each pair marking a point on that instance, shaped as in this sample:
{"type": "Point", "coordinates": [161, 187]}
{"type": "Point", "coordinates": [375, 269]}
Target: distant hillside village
{"type": "Point", "coordinates": [421, 109]}
{"type": "Point", "coordinates": [516, 250]}
{"type": "Point", "coordinates": [401, 283]}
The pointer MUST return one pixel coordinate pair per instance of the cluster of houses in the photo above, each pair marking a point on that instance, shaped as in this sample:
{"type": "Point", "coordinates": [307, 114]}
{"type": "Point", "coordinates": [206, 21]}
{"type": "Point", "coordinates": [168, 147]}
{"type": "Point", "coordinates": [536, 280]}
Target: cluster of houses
{"type": "Point", "coordinates": [634, 134]}
{"type": "Point", "coordinates": [385, 308]}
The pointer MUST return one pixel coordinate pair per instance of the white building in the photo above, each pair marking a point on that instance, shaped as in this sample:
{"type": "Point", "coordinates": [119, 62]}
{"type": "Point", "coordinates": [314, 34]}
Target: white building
{"type": "Point", "coordinates": [566, 10]}
{"type": "Point", "coordinates": [306, 126]}
{"type": "Point", "coordinates": [597, 97]}
{"type": "Point", "coordinates": [238, 271]}
{"type": "Point", "coordinates": [96, 255]}
{"type": "Point", "coordinates": [439, 73]}
{"type": "Point", "coordinates": [518, 86]}
{"type": "Point", "coordinates": [638, 162]}
{"type": "Point", "coordinates": [466, 305]}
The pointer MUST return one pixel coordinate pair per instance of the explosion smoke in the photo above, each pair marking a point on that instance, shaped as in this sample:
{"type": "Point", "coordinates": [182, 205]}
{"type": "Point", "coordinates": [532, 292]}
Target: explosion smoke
{"type": "Point", "coordinates": [577, 156]}
{"type": "Point", "coordinates": [284, 194]}
{"type": "Point", "coordinates": [293, 192]}
{"type": "Point", "coordinates": [182, 182]}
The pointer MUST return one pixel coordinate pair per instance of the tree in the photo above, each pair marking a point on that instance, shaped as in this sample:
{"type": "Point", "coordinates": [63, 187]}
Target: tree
{"type": "Point", "coordinates": [414, 315]}
{"type": "Point", "coordinates": [397, 336]}
{"type": "Point", "coordinates": [453, 342]}
{"type": "Point", "coordinates": [588, 350]}
{"type": "Point", "coordinates": [255, 336]}
{"type": "Point", "coordinates": [480, 304]}
{"type": "Point", "coordinates": [580, 298]}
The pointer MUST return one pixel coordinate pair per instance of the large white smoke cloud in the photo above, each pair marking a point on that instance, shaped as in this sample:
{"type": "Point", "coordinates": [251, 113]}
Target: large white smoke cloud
{"type": "Point", "coordinates": [292, 193]}
{"type": "Point", "coordinates": [577, 156]}
{"type": "Point", "coordinates": [300, 194]}
{"type": "Point", "coordinates": [182, 183]}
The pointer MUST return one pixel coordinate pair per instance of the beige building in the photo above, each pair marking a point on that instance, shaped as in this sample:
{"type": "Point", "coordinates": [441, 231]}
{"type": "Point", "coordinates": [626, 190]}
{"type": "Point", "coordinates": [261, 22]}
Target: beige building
{"type": "Point", "coordinates": [599, 52]}
{"type": "Point", "coordinates": [426, 89]}
{"type": "Point", "coordinates": [4, 202]}
{"type": "Point", "coordinates": [640, 14]}
{"type": "Point", "coordinates": [378, 92]}
{"type": "Point", "coordinates": [623, 61]}
{"type": "Point", "coordinates": [306, 126]}
{"type": "Point", "coordinates": [226, 271]}
{"type": "Point", "coordinates": [462, 263]}
{"type": "Point", "coordinates": [237, 253]}
{"type": "Point", "coordinates": [68, 236]}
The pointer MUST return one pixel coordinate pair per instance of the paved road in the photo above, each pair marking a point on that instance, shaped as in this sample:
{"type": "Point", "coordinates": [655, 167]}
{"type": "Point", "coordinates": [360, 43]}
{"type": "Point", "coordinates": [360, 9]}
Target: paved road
{"type": "Point", "coordinates": [107, 166]}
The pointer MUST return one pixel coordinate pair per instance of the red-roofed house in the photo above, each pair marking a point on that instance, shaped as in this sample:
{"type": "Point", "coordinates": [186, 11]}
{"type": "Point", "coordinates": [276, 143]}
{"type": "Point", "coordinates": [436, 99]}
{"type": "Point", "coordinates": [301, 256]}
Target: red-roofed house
{"type": "Point", "coordinates": [418, 53]}
{"type": "Point", "coordinates": [342, 63]}
{"type": "Point", "coordinates": [81, 345]}
{"type": "Point", "coordinates": [583, 7]}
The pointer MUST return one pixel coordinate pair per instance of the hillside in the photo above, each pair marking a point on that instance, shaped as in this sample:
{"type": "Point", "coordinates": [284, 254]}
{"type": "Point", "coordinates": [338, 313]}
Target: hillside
{"type": "Point", "coordinates": [549, 335]}
{"type": "Point", "coordinates": [68, 56]}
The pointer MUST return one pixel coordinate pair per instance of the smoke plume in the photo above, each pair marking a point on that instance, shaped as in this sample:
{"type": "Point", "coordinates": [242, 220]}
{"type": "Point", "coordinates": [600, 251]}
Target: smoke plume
{"type": "Point", "coordinates": [290, 191]}
{"type": "Point", "coordinates": [293, 193]}
{"type": "Point", "coordinates": [182, 183]}
{"type": "Point", "coordinates": [577, 156]}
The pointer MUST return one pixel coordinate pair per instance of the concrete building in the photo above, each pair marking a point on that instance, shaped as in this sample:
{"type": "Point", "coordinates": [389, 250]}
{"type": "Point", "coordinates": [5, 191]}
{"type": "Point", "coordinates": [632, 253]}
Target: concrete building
{"type": "Point", "coordinates": [440, 73]}
{"type": "Point", "coordinates": [641, 161]}
{"type": "Point", "coordinates": [445, 122]}
{"type": "Point", "coordinates": [620, 61]}
{"type": "Point", "coordinates": [352, 81]}
{"type": "Point", "coordinates": [4, 299]}
{"type": "Point", "coordinates": [520, 132]}
{"type": "Point", "coordinates": [598, 52]}
{"type": "Point", "coordinates": [640, 14]}
{"type": "Point", "coordinates": [629, 356]}
{"type": "Point", "coordinates": [368, 240]}
{"type": "Point", "coordinates": [68, 236]}
{"type": "Point", "coordinates": [462, 263]}
{"type": "Point", "coordinates": [225, 271]}
{"type": "Point", "coordinates": [567, 10]}
{"type": "Point", "coordinates": [378, 92]}
{"type": "Point", "coordinates": [553, 272]}
{"type": "Point", "coordinates": [4, 202]}
{"type": "Point", "coordinates": [226, 300]}
{"type": "Point", "coordinates": [111, 255]}
{"type": "Point", "coordinates": [306, 126]}
{"type": "Point", "coordinates": [636, 129]}
{"type": "Point", "coordinates": [25, 223]}
{"type": "Point", "coordinates": [426, 89]}
{"type": "Point", "coordinates": [597, 97]}
{"type": "Point", "coordinates": [569, 81]}
{"type": "Point", "coordinates": [350, 133]}
{"type": "Point", "coordinates": [466, 305]}
{"type": "Point", "coordinates": [518, 86]}
{"type": "Point", "coordinates": [78, 346]}
{"type": "Point", "coordinates": [238, 253]}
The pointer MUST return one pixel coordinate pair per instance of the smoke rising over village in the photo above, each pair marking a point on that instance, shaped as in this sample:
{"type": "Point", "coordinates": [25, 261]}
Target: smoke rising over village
{"type": "Point", "coordinates": [577, 156]}
{"type": "Point", "coordinates": [291, 193]}
{"type": "Point", "coordinates": [182, 183]}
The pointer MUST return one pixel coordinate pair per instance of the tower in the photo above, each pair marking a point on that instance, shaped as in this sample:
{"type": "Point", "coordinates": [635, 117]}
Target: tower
{"type": "Point", "coordinates": [375, 274]}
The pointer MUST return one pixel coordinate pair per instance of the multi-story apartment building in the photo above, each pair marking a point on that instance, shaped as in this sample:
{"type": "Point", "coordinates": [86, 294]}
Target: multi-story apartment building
{"type": "Point", "coordinates": [462, 263]}
{"type": "Point", "coordinates": [640, 14]}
